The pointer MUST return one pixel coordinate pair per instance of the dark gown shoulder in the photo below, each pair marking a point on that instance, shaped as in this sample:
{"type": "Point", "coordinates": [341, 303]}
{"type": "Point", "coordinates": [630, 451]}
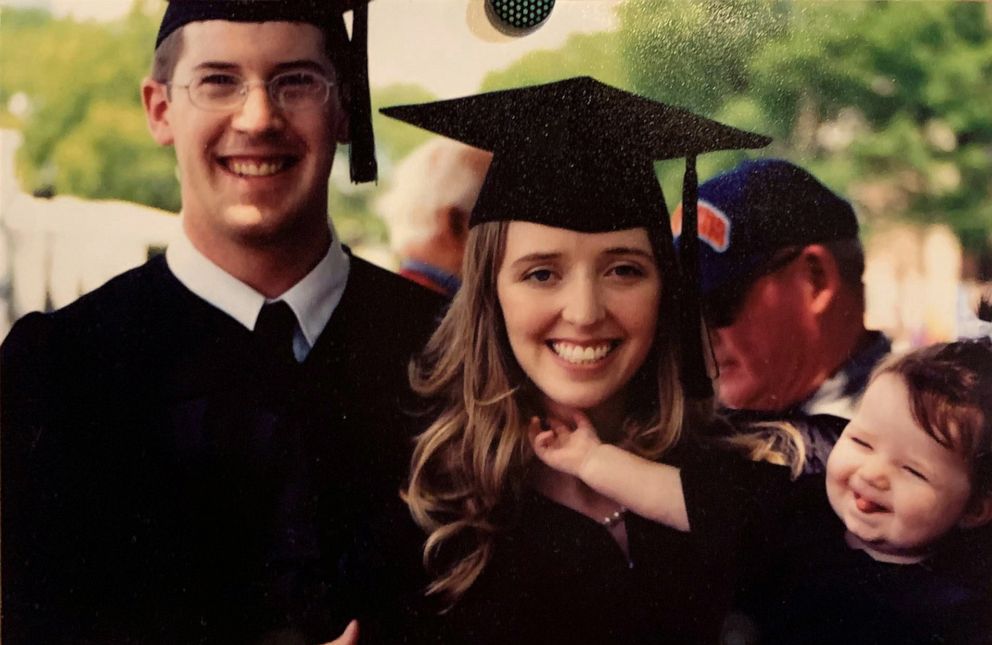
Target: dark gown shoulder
{"type": "Point", "coordinates": [801, 584]}
{"type": "Point", "coordinates": [557, 576]}
{"type": "Point", "coordinates": [163, 483]}
{"type": "Point", "coordinates": [811, 588]}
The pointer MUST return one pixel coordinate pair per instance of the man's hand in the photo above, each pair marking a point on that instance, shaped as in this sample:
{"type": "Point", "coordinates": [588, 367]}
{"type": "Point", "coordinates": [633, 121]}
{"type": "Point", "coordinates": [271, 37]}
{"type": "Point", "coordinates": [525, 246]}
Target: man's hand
{"type": "Point", "coordinates": [561, 447]}
{"type": "Point", "coordinates": [348, 637]}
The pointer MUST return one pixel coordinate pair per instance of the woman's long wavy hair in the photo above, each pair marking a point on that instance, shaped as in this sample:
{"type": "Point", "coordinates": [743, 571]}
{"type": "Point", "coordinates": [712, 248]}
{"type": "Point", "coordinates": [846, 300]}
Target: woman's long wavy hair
{"type": "Point", "coordinates": [471, 464]}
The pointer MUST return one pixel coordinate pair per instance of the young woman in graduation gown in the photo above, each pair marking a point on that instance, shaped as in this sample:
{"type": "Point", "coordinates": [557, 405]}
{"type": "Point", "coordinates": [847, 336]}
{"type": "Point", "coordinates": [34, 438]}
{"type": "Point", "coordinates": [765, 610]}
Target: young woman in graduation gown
{"type": "Point", "coordinates": [573, 298]}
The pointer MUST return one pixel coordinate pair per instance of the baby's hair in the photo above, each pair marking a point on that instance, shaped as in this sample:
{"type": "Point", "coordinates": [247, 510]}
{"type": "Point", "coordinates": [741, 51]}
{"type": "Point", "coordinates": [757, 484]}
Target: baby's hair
{"type": "Point", "coordinates": [950, 393]}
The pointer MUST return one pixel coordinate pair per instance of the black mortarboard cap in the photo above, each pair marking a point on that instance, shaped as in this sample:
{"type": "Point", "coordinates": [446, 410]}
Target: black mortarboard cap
{"type": "Point", "coordinates": [579, 154]}
{"type": "Point", "coordinates": [350, 56]}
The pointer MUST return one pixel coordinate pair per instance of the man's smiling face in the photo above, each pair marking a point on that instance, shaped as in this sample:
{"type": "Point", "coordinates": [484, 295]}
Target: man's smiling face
{"type": "Point", "coordinates": [253, 174]}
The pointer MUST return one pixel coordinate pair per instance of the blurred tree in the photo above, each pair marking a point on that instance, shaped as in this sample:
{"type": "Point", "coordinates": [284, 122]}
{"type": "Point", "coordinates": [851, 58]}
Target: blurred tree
{"type": "Point", "coordinates": [883, 100]}
{"type": "Point", "coordinates": [596, 55]}
{"type": "Point", "coordinates": [84, 128]}
{"type": "Point", "coordinates": [695, 53]}
{"type": "Point", "coordinates": [113, 137]}
{"type": "Point", "coordinates": [395, 139]}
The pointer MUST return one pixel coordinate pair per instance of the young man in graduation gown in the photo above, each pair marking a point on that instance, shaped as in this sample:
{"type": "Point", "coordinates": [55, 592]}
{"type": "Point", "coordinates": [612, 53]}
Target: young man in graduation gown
{"type": "Point", "coordinates": [195, 451]}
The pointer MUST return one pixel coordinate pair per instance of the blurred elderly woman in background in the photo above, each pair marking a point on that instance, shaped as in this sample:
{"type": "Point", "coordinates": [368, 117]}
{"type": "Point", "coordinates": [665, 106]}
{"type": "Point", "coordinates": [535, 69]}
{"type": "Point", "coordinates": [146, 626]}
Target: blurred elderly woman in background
{"type": "Point", "coordinates": [426, 210]}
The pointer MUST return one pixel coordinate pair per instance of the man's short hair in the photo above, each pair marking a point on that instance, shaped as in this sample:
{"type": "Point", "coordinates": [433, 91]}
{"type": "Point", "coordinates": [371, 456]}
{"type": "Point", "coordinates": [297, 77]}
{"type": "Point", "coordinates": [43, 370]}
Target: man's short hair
{"type": "Point", "coordinates": [166, 56]}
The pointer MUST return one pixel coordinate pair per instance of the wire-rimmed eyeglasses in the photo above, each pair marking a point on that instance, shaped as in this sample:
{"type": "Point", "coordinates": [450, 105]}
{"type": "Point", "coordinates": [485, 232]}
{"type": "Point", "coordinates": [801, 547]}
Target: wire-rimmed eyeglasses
{"type": "Point", "coordinates": [290, 91]}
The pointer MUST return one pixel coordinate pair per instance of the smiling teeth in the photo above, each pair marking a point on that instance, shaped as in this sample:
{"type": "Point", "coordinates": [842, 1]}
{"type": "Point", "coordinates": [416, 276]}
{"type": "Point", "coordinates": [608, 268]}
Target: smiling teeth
{"type": "Point", "coordinates": [580, 355]}
{"type": "Point", "coordinates": [264, 169]}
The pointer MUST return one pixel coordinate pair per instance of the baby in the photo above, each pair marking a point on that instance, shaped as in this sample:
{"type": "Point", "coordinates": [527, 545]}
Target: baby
{"type": "Point", "coordinates": [888, 549]}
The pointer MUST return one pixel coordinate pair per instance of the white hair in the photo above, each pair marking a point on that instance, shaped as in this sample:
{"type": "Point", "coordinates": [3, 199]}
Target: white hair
{"type": "Point", "coordinates": [434, 177]}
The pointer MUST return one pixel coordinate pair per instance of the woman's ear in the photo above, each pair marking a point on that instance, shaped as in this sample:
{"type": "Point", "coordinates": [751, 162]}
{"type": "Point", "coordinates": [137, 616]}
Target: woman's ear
{"type": "Point", "coordinates": [978, 513]}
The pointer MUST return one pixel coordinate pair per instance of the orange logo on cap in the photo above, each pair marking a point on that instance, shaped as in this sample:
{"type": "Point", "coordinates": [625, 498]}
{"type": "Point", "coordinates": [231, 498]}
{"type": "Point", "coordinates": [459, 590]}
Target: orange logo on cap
{"type": "Point", "coordinates": [714, 226]}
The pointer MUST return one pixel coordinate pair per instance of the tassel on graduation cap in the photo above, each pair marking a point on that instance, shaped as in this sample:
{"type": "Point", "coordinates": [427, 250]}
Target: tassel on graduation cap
{"type": "Point", "coordinates": [695, 379]}
{"type": "Point", "coordinates": [362, 152]}
{"type": "Point", "coordinates": [349, 57]}
{"type": "Point", "coordinates": [578, 154]}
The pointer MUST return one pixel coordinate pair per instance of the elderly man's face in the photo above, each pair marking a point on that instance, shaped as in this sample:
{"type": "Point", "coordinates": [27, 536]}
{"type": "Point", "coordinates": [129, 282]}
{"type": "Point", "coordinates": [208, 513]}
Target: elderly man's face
{"type": "Point", "coordinates": [765, 355]}
{"type": "Point", "coordinates": [252, 174]}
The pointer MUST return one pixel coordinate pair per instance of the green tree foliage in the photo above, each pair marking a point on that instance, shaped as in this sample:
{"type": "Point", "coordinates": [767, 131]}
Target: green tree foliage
{"type": "Point", "coordinates": [395, 139]}
{"type": "Point", "coordinates": [596, 55]}
{"type": "Point", "coordinates": [84, 131]}
{"type": "Point", "coordinates": [694, 53]}
{"type": "Point", "coordinates": [91, 157]}
{"type": "Point", "coordinates": [886, 101]}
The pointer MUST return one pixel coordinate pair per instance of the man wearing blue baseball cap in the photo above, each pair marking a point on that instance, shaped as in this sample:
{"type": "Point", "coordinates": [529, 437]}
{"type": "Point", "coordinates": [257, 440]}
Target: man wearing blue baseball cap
{"type": "Point", "coordinates": [781, 271]}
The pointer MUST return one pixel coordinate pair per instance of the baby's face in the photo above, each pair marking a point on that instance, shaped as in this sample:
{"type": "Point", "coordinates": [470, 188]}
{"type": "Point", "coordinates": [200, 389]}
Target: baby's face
{"type": "Point", "coordinates": [895, 488]}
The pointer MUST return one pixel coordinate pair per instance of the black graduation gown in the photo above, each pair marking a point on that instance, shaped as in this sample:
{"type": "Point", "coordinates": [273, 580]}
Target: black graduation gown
{"type": "Point", "coordinates": [557, 576]}
{"type": "Point", "coordinates": [803, 585]}
{"type": "Point", "coordinates": [164, 483]}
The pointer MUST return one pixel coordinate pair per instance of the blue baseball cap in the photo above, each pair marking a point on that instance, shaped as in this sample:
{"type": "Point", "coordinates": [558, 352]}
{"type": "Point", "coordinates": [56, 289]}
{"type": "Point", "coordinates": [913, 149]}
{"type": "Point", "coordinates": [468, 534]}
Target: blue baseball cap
{"type": "Point", "coordinates": [747, 215]}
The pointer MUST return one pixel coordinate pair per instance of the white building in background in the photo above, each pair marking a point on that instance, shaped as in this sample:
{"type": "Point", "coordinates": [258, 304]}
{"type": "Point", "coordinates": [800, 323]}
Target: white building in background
{"type": "Point", "coordinates": [54, 250]}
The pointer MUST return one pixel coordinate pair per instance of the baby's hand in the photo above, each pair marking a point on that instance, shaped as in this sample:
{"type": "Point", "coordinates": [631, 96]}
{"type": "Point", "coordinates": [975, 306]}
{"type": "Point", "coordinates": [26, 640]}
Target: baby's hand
{"type": "Point", "coordinates": [561, 447]}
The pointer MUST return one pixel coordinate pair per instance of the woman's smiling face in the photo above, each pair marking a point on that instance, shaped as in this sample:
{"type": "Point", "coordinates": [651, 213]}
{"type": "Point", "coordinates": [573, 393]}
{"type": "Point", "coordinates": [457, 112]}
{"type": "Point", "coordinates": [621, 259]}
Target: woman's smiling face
{"type": "Point", "coordinates": [581, 309]}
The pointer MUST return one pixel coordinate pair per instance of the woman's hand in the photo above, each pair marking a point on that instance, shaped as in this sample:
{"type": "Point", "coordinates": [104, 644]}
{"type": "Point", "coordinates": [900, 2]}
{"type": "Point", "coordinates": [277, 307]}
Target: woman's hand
{"type": "Point", "coordinates": [564, 448]}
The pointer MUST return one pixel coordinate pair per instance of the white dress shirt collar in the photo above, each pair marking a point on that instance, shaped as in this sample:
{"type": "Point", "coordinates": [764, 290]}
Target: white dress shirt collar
{"type": "Point", "coordinates": [313, 299]}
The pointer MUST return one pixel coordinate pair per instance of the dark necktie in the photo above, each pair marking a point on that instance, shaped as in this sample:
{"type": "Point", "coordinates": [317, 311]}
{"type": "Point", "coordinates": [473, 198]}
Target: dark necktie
{"type": "Point", "coordinates": [274, 331]}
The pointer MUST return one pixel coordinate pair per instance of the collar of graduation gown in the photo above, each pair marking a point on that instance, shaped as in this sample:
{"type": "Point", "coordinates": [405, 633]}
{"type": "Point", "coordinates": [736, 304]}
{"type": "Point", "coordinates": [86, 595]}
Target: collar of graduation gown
{"type": "Point", "coordinates": [313, 299]}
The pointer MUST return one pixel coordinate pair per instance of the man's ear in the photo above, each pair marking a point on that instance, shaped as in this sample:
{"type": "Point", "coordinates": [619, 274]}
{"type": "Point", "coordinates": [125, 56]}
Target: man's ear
{"type": "Point", "coordinates": [819, 269]}
{"type": "Point", "coordinates": [155, 98]}
{"type": "Point", "coordinates": [978, 513]}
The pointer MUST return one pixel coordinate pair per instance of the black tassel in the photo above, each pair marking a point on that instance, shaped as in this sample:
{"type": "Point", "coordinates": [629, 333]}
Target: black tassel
{"type": "Point", "coordinates": [362, 152]}
{"type": "Point", "coordinates": [695, 380]}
